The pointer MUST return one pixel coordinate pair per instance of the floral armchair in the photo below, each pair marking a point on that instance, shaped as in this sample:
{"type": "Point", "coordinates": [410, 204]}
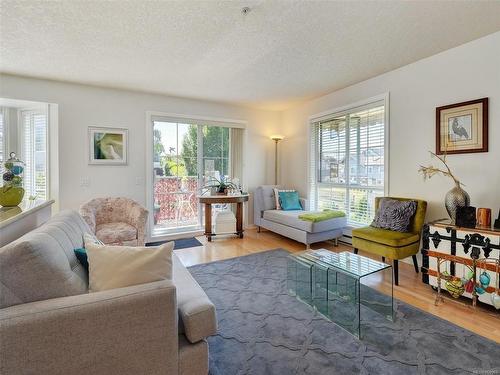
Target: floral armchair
{"type": "Point", "coordinates": [116, 221]}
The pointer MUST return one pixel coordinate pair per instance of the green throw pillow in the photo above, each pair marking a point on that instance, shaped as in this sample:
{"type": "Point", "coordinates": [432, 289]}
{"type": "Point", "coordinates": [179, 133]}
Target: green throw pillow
{"type": "Point", "coordinates": [289, 200]}
{"type": "Point", "coordinates": [81, 255]}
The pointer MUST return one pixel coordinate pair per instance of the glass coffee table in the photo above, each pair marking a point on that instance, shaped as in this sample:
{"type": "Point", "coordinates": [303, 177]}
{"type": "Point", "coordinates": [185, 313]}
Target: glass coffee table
{"type": "Point", "coordinates": [337, 284]}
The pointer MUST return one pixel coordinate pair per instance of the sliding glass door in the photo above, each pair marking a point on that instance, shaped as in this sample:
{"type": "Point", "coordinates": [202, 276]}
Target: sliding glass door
{"type": "Point", "coordinates": [215, 152]}
{"type": "Point", "coordinates": [185, 157]}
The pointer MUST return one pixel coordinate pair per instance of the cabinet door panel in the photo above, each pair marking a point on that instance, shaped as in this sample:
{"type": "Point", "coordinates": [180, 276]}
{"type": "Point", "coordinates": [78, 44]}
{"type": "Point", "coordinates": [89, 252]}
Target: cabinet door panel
{"type": "Point", "coordinates": [442, 247]}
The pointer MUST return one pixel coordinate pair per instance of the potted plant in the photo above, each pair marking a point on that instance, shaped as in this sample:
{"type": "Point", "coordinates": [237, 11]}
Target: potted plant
{"type": "Point", "coordinates": [219, 187]}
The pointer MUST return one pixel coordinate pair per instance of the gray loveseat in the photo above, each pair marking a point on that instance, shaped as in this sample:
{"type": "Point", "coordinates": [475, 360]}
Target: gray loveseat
{"type": "Point", "coordinates": [50, 324]}
{"type": "Point", "coordinates": [288, 224]}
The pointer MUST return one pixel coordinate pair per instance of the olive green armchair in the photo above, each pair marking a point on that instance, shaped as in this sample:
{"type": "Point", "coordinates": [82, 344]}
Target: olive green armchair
{"type": "Point", "coordinates": [391, 244]}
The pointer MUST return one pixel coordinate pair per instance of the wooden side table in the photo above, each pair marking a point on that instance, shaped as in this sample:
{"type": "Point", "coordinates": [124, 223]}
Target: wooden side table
{"type": "Point", "coordinates": [208, 200]}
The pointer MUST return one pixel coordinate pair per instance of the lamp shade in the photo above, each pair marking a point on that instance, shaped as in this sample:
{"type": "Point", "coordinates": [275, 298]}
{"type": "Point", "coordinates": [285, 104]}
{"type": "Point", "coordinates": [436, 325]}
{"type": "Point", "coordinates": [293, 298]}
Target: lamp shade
{"type": "Point", "coordinates": [277, 137]}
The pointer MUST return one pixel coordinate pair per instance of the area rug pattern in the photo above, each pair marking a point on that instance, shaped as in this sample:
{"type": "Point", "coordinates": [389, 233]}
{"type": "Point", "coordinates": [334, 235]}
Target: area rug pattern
{"type": "Point", "coordinates": [182, 243]}
{"type": "Point", "coordinates": [262, 330]}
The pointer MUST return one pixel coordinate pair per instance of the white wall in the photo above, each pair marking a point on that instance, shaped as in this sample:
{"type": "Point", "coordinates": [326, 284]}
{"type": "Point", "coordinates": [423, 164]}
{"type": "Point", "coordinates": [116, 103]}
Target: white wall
{"type": "Point", "coordinates": [81, 106]}
{"type": "Point", "coordinates": [468, 72]}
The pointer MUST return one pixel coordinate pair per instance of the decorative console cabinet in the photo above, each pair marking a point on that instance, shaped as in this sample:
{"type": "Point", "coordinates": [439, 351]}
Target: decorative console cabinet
{"type": "Point", "coordinates": [464, 261]}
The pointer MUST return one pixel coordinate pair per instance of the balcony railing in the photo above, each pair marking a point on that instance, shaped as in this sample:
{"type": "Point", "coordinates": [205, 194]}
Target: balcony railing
{"type": "Point", "coordinates": [175, 202]}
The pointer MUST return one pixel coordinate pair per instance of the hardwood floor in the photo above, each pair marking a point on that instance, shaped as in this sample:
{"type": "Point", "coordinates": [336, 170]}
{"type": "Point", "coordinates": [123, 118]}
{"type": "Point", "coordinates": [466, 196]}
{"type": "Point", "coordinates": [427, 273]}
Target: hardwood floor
{"type": "Point", "coordinates": [483, 320]}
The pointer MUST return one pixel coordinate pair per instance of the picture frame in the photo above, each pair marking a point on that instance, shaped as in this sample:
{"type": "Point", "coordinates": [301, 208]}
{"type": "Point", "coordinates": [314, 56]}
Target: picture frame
{"type": "Point", "coordinates": [462, 128]}
{"type": "Point", "coordinates": [108, 146]}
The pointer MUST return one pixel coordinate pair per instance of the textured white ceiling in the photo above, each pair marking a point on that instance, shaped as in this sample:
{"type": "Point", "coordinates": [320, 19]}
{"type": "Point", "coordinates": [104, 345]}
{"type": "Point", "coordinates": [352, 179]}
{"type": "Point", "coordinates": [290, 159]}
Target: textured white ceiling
{"type": "Point", "coordinates": [282, 52]}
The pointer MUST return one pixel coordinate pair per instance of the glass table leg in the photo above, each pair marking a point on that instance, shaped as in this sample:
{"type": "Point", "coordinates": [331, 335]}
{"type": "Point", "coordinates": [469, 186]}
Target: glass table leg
{"type": "Point", "coordinates": [358, 310]}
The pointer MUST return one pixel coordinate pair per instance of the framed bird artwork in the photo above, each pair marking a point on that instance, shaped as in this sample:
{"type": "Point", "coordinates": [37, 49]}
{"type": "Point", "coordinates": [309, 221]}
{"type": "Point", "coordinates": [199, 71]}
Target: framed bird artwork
{"type": "Point", "coordinates": [462, 128]}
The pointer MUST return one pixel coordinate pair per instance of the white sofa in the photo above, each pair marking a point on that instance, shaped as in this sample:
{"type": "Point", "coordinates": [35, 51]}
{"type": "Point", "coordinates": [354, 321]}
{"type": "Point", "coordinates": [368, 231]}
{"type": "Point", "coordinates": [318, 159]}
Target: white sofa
{"type": "Point", "coordinates": [288, 224]}
{"type": "Point", "coordinates": [51, 324]}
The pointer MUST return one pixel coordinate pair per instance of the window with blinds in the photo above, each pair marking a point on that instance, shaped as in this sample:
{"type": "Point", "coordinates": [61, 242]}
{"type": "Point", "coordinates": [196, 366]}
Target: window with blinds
{"type": "Point", "coordinates": [348, 161]}
{"type": "Point", "coordinates": [34, 155]}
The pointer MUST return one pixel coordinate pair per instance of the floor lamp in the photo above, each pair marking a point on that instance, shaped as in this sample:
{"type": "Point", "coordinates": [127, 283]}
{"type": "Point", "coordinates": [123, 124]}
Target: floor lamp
{"type": "Point", "coordinates": [276, 139]}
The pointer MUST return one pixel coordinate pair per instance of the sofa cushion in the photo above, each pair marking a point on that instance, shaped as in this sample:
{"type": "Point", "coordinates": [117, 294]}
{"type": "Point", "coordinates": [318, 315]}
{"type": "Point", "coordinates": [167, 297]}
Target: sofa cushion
{"type": "Point", "coordinates": [385, 236]}
{"type": "Point", "coordinates": [112, 267]}
{"type": "Point", "coordinates": [196, 312]}
{"type": "Point", "coordinates": [42, 263]}
{"type": "Point", "coordinates": [291, 219]}
{"type": "Point", "coordinates": [116, 233]}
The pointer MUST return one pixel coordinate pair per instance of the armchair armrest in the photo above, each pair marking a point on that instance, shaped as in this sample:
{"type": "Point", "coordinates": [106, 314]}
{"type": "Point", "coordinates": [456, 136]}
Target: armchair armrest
{"type": "Point", "coordinates": [88, 213]}
{"type": "Point", "coordinates": [129, 330]}
{"type": "Point", "coordinates": [137, 217]}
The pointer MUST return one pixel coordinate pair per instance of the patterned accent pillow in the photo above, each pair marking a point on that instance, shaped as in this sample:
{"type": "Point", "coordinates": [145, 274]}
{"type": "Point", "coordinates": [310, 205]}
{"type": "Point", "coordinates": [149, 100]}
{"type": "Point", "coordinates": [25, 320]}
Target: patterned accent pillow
{"type": "Point", "coordinates": [277, 196]}
{"type": "Point", "coordinates": [394, 215]}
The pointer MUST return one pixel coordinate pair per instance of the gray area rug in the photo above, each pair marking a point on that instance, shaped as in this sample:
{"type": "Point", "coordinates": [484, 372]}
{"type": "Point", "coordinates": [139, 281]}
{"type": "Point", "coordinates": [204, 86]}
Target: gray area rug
{"type": "Point", "coordinates": [263, 330]}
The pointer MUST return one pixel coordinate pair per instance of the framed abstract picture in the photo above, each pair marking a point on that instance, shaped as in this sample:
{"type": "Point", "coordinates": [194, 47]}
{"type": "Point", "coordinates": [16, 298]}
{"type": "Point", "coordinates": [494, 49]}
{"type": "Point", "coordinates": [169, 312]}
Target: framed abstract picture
{"type": "Point", "coordinates": [108, 146]}
{"type": "Point", "coordinates": [462, 127]}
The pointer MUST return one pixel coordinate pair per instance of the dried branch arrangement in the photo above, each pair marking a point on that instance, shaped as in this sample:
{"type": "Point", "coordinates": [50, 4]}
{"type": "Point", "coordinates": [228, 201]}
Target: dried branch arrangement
{"type": "Point", "coordinates": [429, 171]}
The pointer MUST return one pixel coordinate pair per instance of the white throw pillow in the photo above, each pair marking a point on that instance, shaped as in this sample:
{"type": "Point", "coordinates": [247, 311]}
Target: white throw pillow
{"type": "Point", "coordinates": [277, 196]}
{"type": "Point", "coordinates": [113, 267]}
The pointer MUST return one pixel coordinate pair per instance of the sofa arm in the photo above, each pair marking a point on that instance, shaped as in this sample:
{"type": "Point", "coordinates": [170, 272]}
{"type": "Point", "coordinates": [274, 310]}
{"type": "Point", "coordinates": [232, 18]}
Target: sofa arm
{"type": "Point", "coordinates": [131, 330]}
{"type": "Point", "coordinates": [304, 203]}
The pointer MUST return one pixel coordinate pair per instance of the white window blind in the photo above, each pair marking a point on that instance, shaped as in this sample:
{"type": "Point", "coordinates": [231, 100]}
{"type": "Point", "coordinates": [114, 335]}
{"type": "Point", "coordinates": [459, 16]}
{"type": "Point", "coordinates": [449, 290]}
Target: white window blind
{"type": "Point", "coordinates": [347, 166]}
{"type": "Point", "coordinates": [35, 153]}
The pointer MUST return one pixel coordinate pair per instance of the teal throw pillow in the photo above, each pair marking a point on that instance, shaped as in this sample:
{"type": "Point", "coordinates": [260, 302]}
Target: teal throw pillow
{"type": "Point", "coordinates": [289, 200]}
{"type": "Point", "coordinates": [81, 255]}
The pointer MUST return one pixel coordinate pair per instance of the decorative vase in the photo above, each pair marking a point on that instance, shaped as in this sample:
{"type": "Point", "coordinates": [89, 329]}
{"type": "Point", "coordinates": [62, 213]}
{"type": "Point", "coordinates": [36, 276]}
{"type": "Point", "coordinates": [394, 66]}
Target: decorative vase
{"type": "Point", "coordinates": [484, 217]}
{"type": "Point", "coordinates": [12, 192]}
{"type": "Point", "coordinates": [469, 287]}
{"type": "Point", "coordinates": [484, 279]}
{"type": "Point", "coordinates": [11, 196]}
{"type": "Point", "coordinates": [456, 197]}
